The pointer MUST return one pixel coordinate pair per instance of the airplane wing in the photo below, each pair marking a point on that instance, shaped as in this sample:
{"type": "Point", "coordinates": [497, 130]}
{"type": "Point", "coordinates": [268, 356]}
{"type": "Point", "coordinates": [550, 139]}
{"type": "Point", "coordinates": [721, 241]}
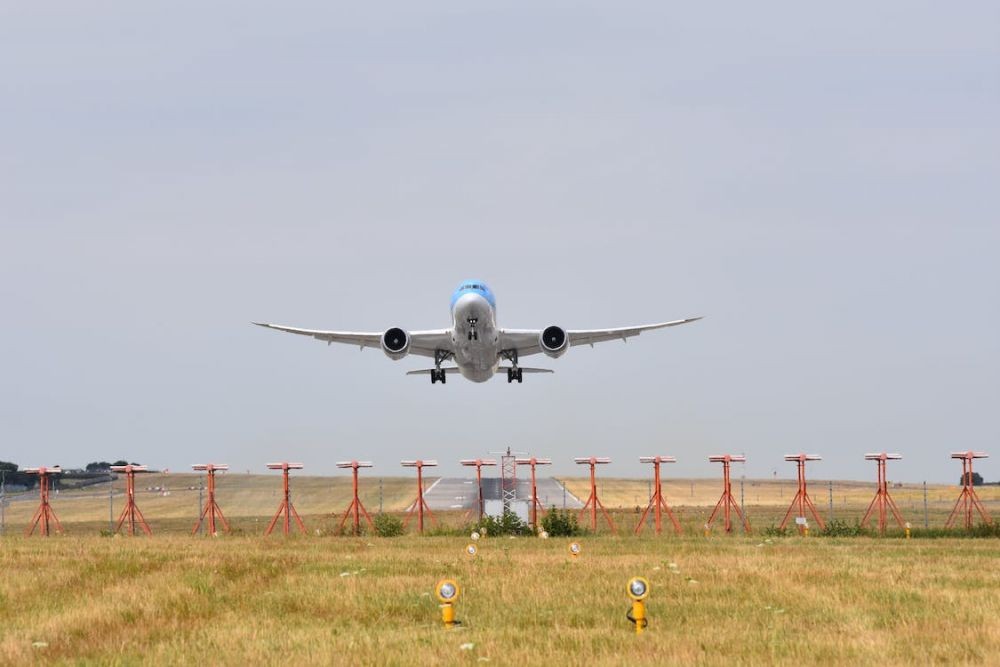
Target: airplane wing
{"type": "Point", "coordinates": [422, 343]}
{"type": "Point", "coordinates": [525, 341]}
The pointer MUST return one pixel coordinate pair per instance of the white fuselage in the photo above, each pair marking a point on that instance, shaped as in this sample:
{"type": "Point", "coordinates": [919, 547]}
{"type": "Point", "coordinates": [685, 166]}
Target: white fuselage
{"type": "Point", "coordinates": [476, 337]}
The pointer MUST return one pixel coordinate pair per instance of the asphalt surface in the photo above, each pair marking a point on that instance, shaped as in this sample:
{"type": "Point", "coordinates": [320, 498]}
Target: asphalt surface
{"type": "Point", "coordinates": [454, 493]}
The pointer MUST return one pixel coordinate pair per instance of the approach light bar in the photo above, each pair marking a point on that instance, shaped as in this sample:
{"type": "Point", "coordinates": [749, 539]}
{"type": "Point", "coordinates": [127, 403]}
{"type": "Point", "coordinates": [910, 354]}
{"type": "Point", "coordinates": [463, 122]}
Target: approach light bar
{"type": "Point", "coordinates": [657, 459]}
{"type": "Point", "coordinates": [969, 455]}
{"type": "Point", "coordinates": [285, 466]}
{"type": "Point", "coordinates": [478, 462]}
{"type": "Point", "coordinates": [42, 470]}
{"type": "Point", "coordinates": [417, 463]}
{"type": "Point", "coordinates": [130, 468]}
{"type": "Point", "coordinates": [803, 457]}
{"type": "Point", "coordinates": [210, 466]}
{"type": "Point", "coordinates": [723, 458]}
{"type": "Point", "coordinates": [355, 464]}
{"type": "Point", "coordinates": [883, 456]}
{"type": "Point", "coordinates": [534, 461]}
{"type": "Point", "coordinates": [592, 459]}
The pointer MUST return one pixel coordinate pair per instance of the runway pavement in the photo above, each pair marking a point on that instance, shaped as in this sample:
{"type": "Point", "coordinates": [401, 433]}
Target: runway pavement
{"type": "Point", "coordinates": [454, 493]}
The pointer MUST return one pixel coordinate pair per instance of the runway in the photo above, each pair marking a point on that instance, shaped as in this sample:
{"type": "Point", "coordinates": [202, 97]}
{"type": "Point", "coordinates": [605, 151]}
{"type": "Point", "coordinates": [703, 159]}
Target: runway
{"type": "Point", "coordinates": [455, 493]}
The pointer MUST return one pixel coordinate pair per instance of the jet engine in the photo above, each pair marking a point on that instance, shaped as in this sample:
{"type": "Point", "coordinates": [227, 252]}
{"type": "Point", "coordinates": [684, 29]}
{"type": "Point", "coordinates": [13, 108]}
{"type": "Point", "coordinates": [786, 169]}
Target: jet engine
{"type": "Point", "coordinates": [396, 343]}
{"type": "Point", "coordinates": [554, 341]}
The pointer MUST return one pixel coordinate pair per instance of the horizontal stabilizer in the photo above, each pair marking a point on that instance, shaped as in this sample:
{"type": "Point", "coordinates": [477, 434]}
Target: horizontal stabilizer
{"type": "Point", "coordinates": [503, 369]}
{"type": "Point", "coordinates": [454, 369]}
{"type": "Point", "coordinates": [449, 370]}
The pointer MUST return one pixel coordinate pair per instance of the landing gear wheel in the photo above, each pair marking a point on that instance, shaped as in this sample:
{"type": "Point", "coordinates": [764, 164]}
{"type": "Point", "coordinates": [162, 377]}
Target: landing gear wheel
{"type": "Point", "coordinates": [438, 374]}
{"type": "Point", "coordinates": [515, 374]}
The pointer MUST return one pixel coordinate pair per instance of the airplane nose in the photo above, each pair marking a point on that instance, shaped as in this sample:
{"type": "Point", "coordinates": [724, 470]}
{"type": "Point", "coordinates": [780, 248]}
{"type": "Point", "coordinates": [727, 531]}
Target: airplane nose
{"type": "Point", "coordinates": [470, 302]}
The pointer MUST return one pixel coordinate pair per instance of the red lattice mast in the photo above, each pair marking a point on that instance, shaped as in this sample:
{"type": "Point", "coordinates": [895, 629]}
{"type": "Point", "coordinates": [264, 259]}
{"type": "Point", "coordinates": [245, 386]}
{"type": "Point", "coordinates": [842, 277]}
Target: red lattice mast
{"type": "Point", "coordinates": [882, 502]}
{"type": "Point", "coordinates": [44, 516]}
{"type": "Point", "coordinates": [802, 502]}
{"type": "Point", "coordinates": [419, 505]}
{"type": "Point", "coordinates": [656, 501]}
{"type": "Point", "coordinates": [356, 509]}
{"type": "Point", "coordinates": [131, 511]}
{"type": "Point", "coordinates": [212, 509]}
{"type": "Point", "coordinates": [968, 499]}
{"type": "Point", "coordinates": [286, 509]}
{"type": "Point", "coordinates": [727, 502]}
{"type": "Point", "coordinates": [536, 504]}
{"type": "Point", "coordinates": [593, 502]}
{"type": "Point", "coordinates": [479, 463]}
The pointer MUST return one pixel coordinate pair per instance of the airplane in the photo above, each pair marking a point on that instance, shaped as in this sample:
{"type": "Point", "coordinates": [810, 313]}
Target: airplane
{"type": "Point", "coordinates": [474, 341]}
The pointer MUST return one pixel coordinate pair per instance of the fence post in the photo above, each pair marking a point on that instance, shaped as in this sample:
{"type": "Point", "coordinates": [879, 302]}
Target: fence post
{"type": "Point", "coordinates": [926, 521]}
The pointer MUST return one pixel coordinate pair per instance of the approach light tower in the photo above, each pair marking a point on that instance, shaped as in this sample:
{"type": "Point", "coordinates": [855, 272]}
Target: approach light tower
{"type": "Point", "coordinates": [535, 503]}
{"type": "Point", "coordinates": [727, 502]}
{"type": "Point", "coordinates": [212, 509]}
{"type": "Point", "coordinates": [656, 501]}
{"type": "Point", "coordinates": [285, 509]}
{"type": "Point", "coordinates": [801, 502]}
{"type": "Point", "coordinates": [479, 463]}
{"type": "Point", "coordinates": [968, 499]}
{"type": "Point", "coordinates": [44, 516]}
{"type": "Point", "coordinates": [355, 509]}
{"type": "Point", "coordinates": [593, 502]}
{"type": "Point", "coordinates": [131, 510]}
{"type": "Point", "coordinates": [419, 505]}
{"type": "Point", "coordinates": [882, 500]}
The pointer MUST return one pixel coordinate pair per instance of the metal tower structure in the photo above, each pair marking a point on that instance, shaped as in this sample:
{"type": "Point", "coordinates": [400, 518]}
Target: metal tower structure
{"type": "Point", "coordinates": [285, 509]}
{"type": "Point", "coordinates": [44, 516]}
{"type": "Point", "coordinates": [479, 463]}
{"type": "Point", "coordinates": [968, 499]}
{"type": "Point", "coordinates": [355, 509]}
{"type": "Point", "coordinates": [212, 509]}
{"type": "Point", "coordinates": [882, 500]}
{"type": "Point", "coordinates": [802, 502]}
{"type": "Point", "coordinates": [535, 503]}
{"type": "Point", "coordinates": [419, 505]}
{"type": "Point", "coordinates": [656, 501]}
{"type": "Point", "coordinates": [593, 502]}
{"type": "Point", "coordinates": [131, 511]}
{"type": "Point", "coordinates": [727, 502]}
{"type": "Point", "coordinates": [508, 477]}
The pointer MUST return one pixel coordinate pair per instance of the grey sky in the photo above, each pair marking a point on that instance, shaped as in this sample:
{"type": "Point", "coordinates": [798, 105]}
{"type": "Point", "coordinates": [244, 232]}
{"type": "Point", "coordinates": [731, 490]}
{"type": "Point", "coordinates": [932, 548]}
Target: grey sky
{"type": "Point", "coordinates": [820, 182]}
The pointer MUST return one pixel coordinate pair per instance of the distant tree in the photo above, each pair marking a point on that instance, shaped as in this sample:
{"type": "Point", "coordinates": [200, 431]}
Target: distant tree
{"type": "Point", "coordinates": [8, 467]}
{"type": "Point", "coordinates": [977, 479]}
{"type": "Point", "coordinates": [120, 462]}
{"type": "Point", "coordinates": [98, 466]}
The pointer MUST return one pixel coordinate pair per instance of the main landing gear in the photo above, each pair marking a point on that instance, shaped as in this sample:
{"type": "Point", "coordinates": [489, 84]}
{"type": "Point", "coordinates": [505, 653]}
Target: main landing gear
{"type": "Point", "coordinates": [513, 373]}
{"type": "Point", "coordinates": [438, 373]}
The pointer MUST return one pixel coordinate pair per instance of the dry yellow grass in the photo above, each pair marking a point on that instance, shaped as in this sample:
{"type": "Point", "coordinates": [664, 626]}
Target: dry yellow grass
{"type": "Point", "coordinates": [247, 600]}
{"type": "Point", "coordinates": [767, 500]}
{"type": "Point", "coordinates": [245, 499]}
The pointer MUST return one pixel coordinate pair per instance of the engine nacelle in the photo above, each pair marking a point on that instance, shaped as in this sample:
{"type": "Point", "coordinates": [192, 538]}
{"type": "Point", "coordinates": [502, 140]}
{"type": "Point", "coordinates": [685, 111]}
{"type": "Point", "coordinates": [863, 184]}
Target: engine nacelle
{"type": "Point", "coordinates": [554, 341]}
{"type": "Point", "coordinates": [396, 343]}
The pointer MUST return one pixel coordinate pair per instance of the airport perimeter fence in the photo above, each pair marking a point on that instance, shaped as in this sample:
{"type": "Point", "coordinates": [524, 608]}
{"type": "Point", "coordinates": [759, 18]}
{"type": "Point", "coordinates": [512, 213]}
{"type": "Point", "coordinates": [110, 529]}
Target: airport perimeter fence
{"type": "Point", "coordinates": [765, 502]}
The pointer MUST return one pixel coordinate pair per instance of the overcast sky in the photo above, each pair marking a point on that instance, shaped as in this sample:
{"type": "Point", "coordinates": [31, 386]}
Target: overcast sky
{"type": "Point", "coordinates": [821, 182]}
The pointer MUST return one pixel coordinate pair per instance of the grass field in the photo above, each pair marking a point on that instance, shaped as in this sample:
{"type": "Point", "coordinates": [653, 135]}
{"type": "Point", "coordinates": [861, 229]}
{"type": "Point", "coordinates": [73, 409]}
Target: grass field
{"type": "Point", "coordinates": [337, 600]}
